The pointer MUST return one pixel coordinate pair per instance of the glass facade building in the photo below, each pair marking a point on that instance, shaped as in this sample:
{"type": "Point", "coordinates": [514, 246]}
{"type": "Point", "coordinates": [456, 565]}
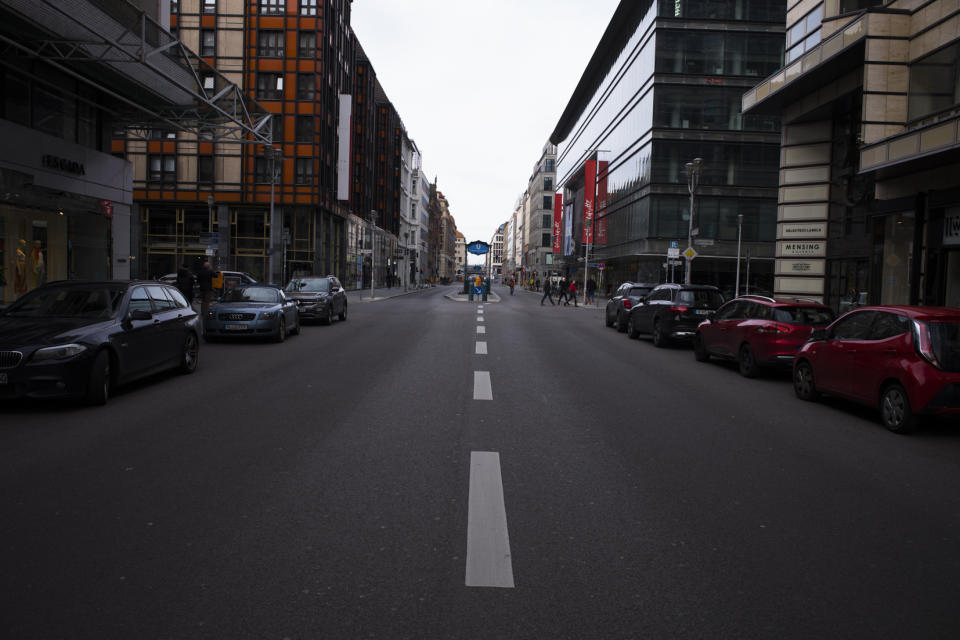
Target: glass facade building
{"type": "Point", "coordinates": [663, 88]}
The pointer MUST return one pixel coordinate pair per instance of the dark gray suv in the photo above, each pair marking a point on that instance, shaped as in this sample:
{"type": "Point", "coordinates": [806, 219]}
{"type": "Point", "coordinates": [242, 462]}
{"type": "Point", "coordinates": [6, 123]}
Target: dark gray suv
{"type": "Point", "coordinates": [628, 295]}
{"type": "Point", "coordinates": [673, 311]}
{"type": "Point", "coordinates": [318, 298]}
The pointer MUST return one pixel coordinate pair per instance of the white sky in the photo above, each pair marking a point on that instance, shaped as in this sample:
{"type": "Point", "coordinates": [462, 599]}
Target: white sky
{"type": "Point", "coordinates": [480, 87]}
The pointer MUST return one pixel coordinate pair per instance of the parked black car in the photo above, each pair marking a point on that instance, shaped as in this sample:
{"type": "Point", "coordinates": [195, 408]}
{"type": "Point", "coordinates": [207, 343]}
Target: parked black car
{"type": "Point", "coordinates": [673, 311]}
{"type": "Point", "coordinates": [318, 298]}
{"type": "Point", "coordinates": [80, 339]}
{"type": "Point", "coordinates": [628, 295]}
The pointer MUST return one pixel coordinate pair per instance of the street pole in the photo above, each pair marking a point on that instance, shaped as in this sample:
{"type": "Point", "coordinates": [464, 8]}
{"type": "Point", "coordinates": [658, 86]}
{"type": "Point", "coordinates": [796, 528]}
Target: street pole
{"type": "Point", "coordinates": [272, 164]}
{"type": "Point", "coordinates": [693, 178]}
{"type": "Point", "coordinates": [373, 250]}
{"type": "Point", "coordinates": [736, 291]}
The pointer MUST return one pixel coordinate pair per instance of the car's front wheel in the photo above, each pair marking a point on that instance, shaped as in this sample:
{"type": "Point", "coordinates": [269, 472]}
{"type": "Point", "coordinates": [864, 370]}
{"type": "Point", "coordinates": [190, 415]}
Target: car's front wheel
{"type": "Point", "coordinates": [895, 412]}
{"type": "Point", "coordinates": [281, 333]}
{"type": "Point", "coordinates": [343, 314]}
{"type": "Point", "coordinates": [328, 316]}
{"type": "Point", "coordinates": [748, 362]}
{"type": "Point", "coordinates": [191, 354]}
{"type": "Point", "coordinates": [803, 382]}
{"type": "Point", "coordinates": [98, 385]}
{"type": "Point", "coordinates": [296, 326]}
{"type": "Point", "coordinates": [699, 349]}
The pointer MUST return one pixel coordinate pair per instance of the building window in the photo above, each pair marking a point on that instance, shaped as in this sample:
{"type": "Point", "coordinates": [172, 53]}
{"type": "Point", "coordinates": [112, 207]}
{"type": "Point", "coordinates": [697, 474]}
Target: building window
{"type": "Point", "coordinates": [208, 43]}
{"type": "Point", "coordinates": [208, 81]}
{"type": "Point", "coordinates": [205, 169]}
{"type": "Point", "coordinates": [163, 169]}
{"type": "Point", "coordinates": [547, 221]}
{"type": "Point", "coordinates": [547, 202]}
{"type": "Point", "coordinates": [308, 7]}
{"type": "Point", "coordinates": [304, 129]}
{"type": "Point", "coordinates": [303, 171]}
{"type": "Point", "coordinates": [209, 6]}
{"type": "Point", "coordinates": [550, 165]}
{"type": "Point", "coordinates": [272, 7]}
{"type": "Point", "coordinates": [546, 240]}
{"type": "Point", "coordinates": [933, 83]}
{"type": "Point", "coordinates": [804, 35]}
{"type": "Point", "coordinates": [261, 171]}
{"type": "Point", "coordinates": [270, 86]}
{"type": "Point", "coordinates": [174, 7]}
{"type": "Point", "coordinates": [162, 134]}
{"type": "Point", "coordinates": [547, 183]}
{"type": "Point", "coordinates": [306, 44]}
{"type": "Point", "coordinates": [270, 43]}
{"type": "Point", "coordinates": [306, 86]}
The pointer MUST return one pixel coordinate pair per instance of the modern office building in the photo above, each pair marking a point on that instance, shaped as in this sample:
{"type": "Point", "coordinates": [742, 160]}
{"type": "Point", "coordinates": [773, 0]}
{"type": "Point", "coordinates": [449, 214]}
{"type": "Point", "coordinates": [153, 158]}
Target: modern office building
{"type": "Point", "coordinates": [662, 89]}
{"type": "Point", "coordinates": [538, 241]}
{"type": "Point", "coordinates": [869, 204]}
{"type": "Point", "coordinates": [66, 201]}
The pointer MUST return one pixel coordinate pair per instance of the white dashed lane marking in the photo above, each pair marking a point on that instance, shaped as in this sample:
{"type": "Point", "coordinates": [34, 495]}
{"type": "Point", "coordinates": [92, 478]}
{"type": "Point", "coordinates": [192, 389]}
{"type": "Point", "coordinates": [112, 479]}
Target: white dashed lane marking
{"type": "Point", "coordinates": [481, 329]}
{"type": "Point", "coordinates": [481, 348]}
{"type": "Point", "coordinates": [488, 542]}
{"type": "Point", "coordinates": [482, 390]}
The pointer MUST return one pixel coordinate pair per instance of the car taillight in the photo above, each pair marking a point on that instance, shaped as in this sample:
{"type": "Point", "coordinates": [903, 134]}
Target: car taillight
{"type": "Point", "coordinates": [773, 328]}
{"type": "Point", "coordinates": [626, 304]}
{"type": "Point", "coordinates": [923, 344]}
{"type": "Point", "coordinates": [676, 309]}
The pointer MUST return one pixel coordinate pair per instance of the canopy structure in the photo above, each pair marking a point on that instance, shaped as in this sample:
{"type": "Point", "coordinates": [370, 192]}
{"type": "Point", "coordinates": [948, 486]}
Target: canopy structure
{"type": "Point", "coordinates": [115, 47]}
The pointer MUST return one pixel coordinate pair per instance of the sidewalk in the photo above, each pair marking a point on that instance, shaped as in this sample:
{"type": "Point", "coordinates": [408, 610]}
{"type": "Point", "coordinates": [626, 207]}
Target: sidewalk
{"type": "Point", "coordinates": [598, 303]}
{"type": "Point", "coordinates": [380, 293]}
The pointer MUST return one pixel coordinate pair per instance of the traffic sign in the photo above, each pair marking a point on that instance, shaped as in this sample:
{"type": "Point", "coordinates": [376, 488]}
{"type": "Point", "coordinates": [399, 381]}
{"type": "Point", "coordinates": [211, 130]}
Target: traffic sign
{"type": "Point", "coordinates": [689, 253]}
{"type": "Point", "coordinates": [477, 291]}
{"type": "Point", "coordinates": [673, 252]}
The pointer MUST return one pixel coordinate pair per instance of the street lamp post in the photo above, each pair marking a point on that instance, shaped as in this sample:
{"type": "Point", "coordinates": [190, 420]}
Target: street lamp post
{"type": "Point", "coordinates": [736, 291]}
{"type": "Point", "coordinates": [373, 251]}
{"type": "Point", "coordinates": [693, 180]}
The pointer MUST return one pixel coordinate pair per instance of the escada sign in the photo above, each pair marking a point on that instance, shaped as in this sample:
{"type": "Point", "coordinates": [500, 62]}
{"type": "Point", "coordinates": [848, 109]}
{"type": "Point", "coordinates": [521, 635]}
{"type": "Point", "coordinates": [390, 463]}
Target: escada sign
{"type": "Point", "coordinates": [62, 164]}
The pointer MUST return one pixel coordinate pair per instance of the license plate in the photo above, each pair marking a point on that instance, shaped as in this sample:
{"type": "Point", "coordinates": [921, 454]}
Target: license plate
{"type": "Point", "coordinates": [235, 327]}
{"type": "Point", "coordinates": [3, 378]}
{"type": "Point", "coordinates": [702, 312]}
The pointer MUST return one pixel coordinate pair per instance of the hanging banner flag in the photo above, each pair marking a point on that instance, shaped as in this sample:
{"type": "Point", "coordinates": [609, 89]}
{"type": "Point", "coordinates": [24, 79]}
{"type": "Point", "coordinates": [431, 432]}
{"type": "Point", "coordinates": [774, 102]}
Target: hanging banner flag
{"type": "Point", "coordinates": [589, 200]}
{"type": "Point", "coordinates": [557, 222]}
{"type": "Point", "coordinates": [568, 229]}
{"type": "Point", "coordinates": [601, 213]}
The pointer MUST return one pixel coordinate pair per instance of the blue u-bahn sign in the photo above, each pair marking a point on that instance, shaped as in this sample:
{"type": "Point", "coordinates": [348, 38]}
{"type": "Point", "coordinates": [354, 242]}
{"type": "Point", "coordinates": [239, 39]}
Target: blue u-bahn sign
{"type": "Point", "coordinates": [478, 247]}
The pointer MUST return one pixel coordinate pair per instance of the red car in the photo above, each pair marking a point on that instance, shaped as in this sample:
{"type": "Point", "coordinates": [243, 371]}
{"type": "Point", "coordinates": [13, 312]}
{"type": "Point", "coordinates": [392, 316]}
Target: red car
{"type": "Point", "coordinates": [758, 331]}
{"type": "Point", "coordinates": [903, 360]}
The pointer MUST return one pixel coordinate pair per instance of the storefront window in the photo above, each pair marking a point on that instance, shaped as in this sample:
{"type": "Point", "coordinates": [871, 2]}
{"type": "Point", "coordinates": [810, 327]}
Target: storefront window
{"type": "Point", "coordinates": [35, 250]}
{"type": "Point", "coordinates": [897, 257]}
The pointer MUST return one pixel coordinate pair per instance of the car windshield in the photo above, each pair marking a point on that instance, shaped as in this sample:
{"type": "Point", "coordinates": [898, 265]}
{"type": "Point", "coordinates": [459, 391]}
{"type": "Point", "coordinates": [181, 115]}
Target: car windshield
{"type": "Point", "coordinates": [309, 285]}
{"type": "Point", "coordinates": [250, 294]}
{"type": "Point", "coordinates": [803, 315]}
{"type": "Point", "coordinates": [700, 297]}
{"type": "Point", "coordinates": [638, 292]}
{"type": "Point", "coordinates": [94, 302]}
{"type": "Point", "coordinates": [945, 340]}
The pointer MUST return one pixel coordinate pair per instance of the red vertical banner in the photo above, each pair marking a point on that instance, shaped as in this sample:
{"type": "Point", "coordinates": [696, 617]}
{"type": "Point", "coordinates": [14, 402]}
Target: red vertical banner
{"type": "Point", "coordinates": [602, 203]}
{"type": "Point", "coordinates": [589, 199]}
{"type": "Point", "coordinates": [557, 222]}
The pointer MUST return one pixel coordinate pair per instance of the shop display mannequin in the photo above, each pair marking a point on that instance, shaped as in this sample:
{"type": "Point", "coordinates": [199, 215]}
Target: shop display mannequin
{"type": "Point", "coordinates": [20, 270]}
{"type": "Point", "coordinates": [38, 268]}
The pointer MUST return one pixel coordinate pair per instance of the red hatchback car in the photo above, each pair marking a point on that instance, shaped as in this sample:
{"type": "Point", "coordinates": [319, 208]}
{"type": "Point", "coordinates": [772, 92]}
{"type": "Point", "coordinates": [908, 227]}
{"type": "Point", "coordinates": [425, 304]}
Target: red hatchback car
{"type": "Point", "coordinates": [903, 360]}
{"type": "Point", "coordinates": [758, 331]}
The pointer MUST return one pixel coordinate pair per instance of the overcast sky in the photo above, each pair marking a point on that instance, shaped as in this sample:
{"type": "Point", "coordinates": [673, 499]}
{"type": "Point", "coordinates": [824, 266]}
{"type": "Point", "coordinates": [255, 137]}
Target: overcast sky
{"type": "Point", "coordinates": [480, 87]}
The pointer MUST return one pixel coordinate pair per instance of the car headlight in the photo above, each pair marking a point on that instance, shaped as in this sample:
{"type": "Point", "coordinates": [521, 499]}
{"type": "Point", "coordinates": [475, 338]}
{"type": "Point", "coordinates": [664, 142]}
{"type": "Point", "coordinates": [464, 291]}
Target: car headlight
{"type": "Point", "coordinates": [266, 315]}
{"type": "Point", "coordinates": [59, 352]}
{"type": "Point", "coordinates": [212, 314]}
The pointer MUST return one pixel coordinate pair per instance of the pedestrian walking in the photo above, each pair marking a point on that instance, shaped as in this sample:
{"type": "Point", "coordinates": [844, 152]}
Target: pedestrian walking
{"type": "Point", "coordinates": [185, 283]}
{"type": "Point", "coordinates": [562, 289]}
{"type": "Point", "coordinates": [546, 292]}
{"type": "Point", "coordinates": [205, 281]}
{"type": "Point", "coordinates": [511, 286]}
{"type": "Point", "coordinates": [573, 292]}
{"type": "Point", "coordinates": [591, 291]}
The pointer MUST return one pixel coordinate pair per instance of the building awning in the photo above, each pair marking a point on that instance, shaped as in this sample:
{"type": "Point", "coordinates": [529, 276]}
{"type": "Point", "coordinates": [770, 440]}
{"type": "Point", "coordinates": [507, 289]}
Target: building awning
{"type": "Point", "coordinates": [115, 47]}
{"type": "Point", "coordinates": [833, 58]}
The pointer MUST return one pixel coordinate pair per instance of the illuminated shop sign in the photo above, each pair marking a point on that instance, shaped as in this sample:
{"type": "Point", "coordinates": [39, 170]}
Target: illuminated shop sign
{"type": "Point", "coordinates": [951, 228]}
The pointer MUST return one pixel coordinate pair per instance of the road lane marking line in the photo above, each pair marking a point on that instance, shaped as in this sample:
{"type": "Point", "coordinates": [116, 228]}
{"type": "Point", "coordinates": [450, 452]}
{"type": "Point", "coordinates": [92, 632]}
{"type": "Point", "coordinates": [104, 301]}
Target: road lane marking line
{"type": "Point", "coordinates": [488, 542]}
{"type": "Point", "coordinates": [481, 348]}
{"type": "Point", "coordinates": [481, 386]}
{"type": "Point", "coordinates": [479, 318]}
{"type": "Point", "coordinates": [481, 329]}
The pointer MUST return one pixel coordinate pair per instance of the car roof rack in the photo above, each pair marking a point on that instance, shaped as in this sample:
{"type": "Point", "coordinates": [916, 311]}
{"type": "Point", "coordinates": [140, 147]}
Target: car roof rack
{"type": "Point", "coordinates": [758, 297]}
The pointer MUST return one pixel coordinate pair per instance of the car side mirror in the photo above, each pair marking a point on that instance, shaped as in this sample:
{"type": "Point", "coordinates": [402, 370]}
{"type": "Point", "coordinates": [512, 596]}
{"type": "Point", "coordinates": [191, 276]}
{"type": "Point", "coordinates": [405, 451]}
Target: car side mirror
{"type": "Point", "coordinates": [140, 314]}
{"type": "Point", "coordinates": [818, 335]}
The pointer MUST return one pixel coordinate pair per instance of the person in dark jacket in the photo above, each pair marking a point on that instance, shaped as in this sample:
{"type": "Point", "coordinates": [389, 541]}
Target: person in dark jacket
{"type": "Point", "coordinates": [205, 281]}
{"type": "Point", "coordinates": [546, 292]}
{"type": "Point", "coordinates": [562, 289]}
{"type": "Point", "coordinates": [185, 283]}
